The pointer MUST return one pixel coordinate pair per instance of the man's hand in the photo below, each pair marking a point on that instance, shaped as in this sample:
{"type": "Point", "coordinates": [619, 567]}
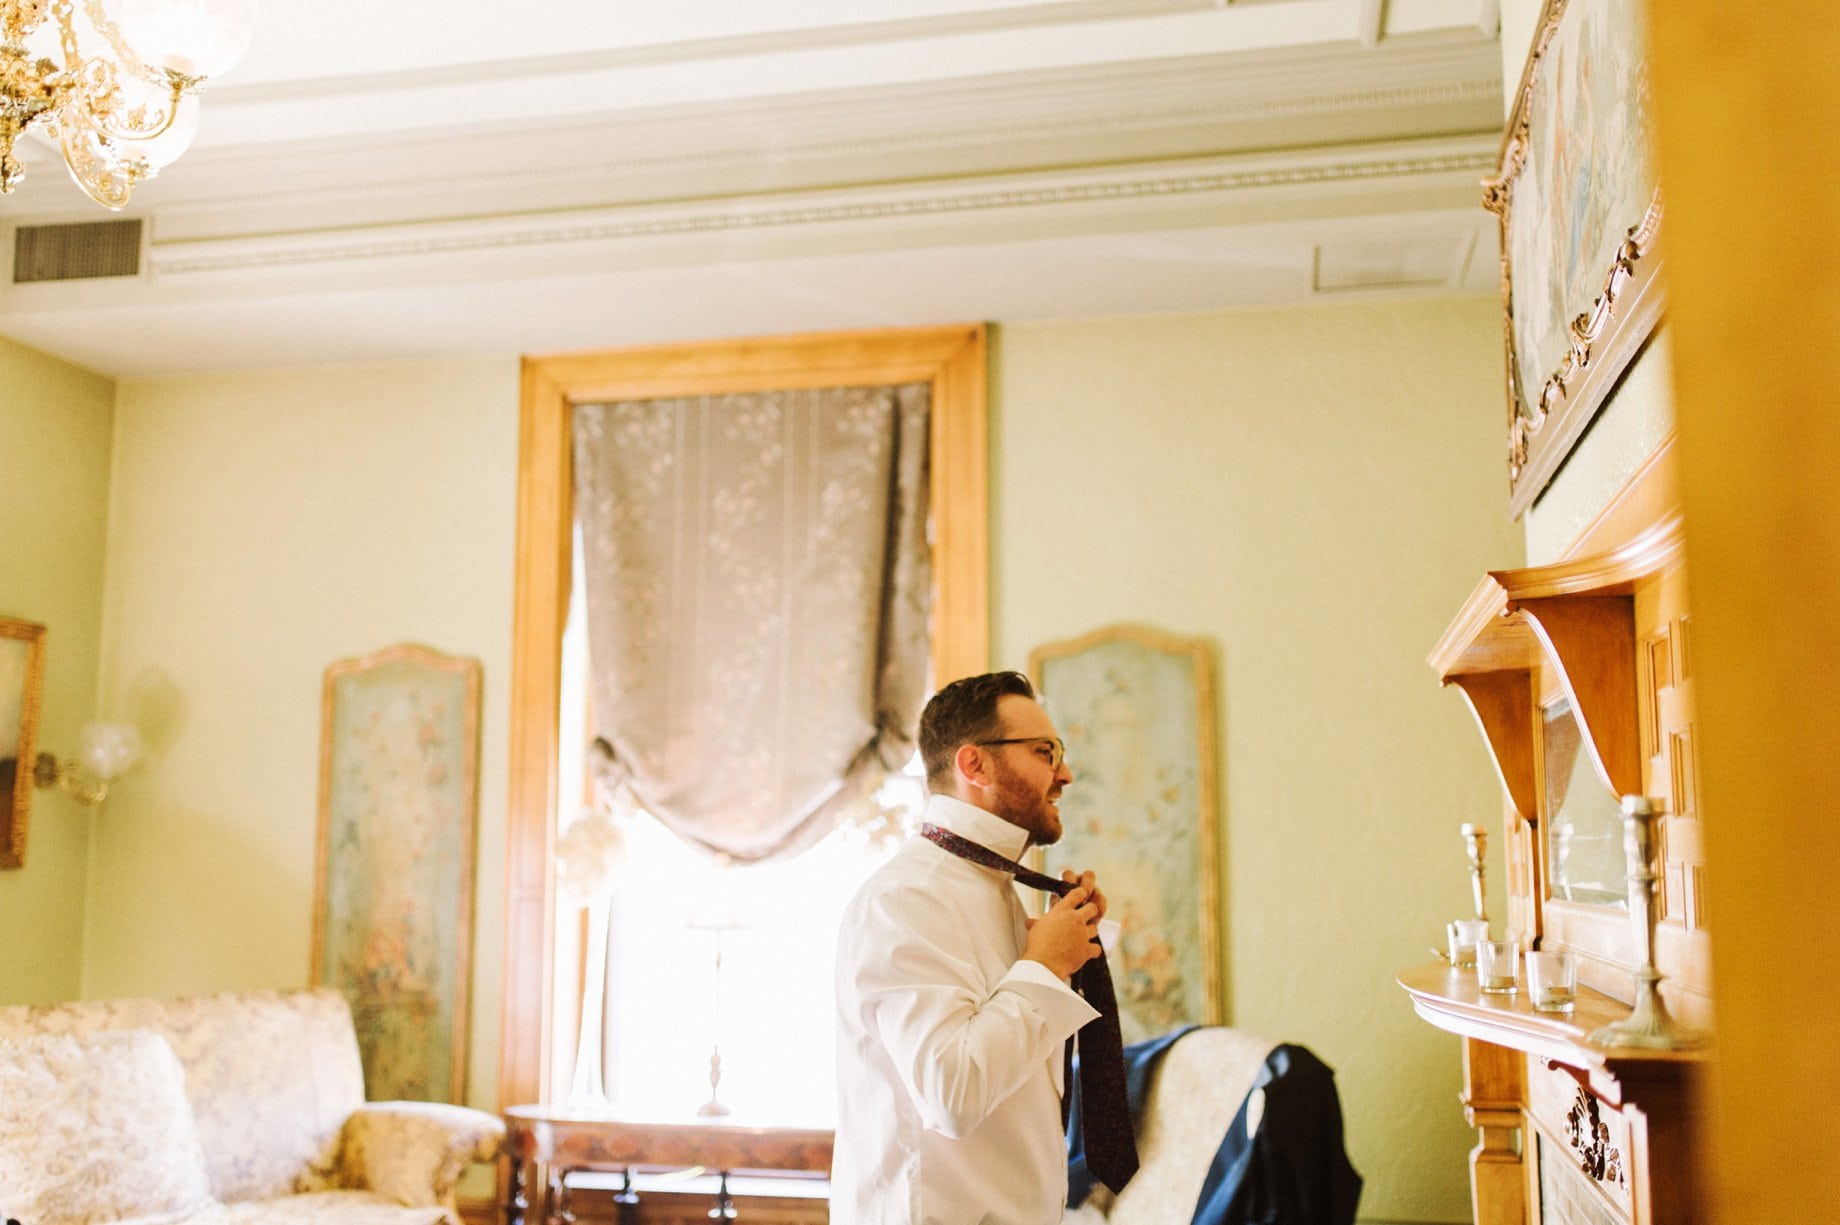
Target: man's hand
{"type": "Point", "coordinates": [1066, 938]}
{"type": "Point", "coordinates": [1090, 883]}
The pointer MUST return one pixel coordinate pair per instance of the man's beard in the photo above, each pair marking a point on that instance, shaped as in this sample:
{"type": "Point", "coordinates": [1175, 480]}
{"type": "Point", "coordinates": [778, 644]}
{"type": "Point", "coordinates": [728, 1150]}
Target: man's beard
{"type": "Point", "coordinates": [1026, 806]}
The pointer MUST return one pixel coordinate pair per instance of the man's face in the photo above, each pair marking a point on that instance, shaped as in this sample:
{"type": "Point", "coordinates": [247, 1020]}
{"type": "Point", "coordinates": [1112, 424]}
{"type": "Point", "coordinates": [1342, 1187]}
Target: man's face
{"type": "Point", "coordinates": [1026, 781]}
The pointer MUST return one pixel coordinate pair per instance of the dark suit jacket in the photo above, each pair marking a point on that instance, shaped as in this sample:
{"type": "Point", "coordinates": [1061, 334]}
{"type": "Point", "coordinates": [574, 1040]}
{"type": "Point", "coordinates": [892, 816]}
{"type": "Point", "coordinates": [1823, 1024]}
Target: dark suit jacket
{"type": "Point", "coordinates": [1293, 1172]}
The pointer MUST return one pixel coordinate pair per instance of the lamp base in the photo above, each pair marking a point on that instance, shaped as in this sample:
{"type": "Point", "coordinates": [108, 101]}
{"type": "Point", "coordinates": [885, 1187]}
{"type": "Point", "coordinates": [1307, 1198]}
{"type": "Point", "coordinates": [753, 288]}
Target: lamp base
{"type": "Point", "coordinates": [713, 1108]}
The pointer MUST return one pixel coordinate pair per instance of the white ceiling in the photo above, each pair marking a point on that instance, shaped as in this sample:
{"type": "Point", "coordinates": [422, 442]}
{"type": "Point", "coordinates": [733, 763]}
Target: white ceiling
{"type": "Point", "coordinates": [602, 174]}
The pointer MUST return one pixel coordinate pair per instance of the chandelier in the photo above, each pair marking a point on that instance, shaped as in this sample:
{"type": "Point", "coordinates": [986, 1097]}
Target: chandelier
{"type": "Point", "coordinates": [121, 112]}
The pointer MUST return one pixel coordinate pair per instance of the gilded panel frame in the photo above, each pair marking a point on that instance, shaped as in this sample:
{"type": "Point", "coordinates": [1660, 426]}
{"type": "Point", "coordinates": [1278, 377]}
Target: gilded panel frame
{"type": "Point", "coordinates": [22, 681]}
{"type": "Point", "coordinates": [1580, 213]}
{"type": "Point", "coordinates": [394, 874]}
{"type": "Point", "coordinates": [1136, 708]}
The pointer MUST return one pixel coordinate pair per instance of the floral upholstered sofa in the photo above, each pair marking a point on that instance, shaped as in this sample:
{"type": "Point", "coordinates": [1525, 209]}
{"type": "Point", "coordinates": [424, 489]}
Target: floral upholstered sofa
{"type": "Point", "coordinates": [237, 1109]}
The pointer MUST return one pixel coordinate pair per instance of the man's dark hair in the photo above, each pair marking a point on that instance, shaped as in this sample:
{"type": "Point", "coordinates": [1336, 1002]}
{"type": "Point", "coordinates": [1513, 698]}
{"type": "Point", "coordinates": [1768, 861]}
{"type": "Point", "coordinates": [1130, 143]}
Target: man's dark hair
{"type": "Point", "coordinates": [964, 712]}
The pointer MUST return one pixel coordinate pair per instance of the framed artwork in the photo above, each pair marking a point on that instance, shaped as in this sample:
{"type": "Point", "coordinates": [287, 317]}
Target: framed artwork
{"type": "Point", "coordinates": [1136, 708]}
{"type": "Point", "coordinates": [393, 907]}
{"type": "Point", "coordinates": [22, 674]}
{"type": "Point", "coordinates": [1580, 214]}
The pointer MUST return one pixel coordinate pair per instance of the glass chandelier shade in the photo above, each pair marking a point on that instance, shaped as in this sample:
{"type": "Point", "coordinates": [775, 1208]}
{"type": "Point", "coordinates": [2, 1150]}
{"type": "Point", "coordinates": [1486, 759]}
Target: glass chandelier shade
{"type": "Point", "coordinates": [120, 96]}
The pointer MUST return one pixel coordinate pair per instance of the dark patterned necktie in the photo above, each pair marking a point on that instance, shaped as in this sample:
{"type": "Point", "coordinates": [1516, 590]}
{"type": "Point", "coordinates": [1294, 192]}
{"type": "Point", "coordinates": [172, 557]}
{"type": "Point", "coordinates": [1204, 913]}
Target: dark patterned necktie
{"type": "Point", "coordinates": [1105, 1111]}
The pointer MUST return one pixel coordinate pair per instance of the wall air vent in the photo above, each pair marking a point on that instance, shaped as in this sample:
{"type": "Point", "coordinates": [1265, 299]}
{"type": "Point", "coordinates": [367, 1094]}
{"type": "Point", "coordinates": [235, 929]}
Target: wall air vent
{"type": "Point", "coordinates": [76, 252]}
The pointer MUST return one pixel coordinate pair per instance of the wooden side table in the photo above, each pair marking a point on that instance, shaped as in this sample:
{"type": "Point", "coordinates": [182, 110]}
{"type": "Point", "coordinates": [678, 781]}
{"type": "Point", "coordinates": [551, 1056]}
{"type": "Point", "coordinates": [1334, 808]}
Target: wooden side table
{"type": "Point", "coordinates": [551, 1140]}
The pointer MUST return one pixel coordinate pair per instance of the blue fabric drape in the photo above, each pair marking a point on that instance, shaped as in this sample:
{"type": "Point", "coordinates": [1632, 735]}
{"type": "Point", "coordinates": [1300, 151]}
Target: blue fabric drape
{"type": "Point", "coordinates": [1293, 1171]}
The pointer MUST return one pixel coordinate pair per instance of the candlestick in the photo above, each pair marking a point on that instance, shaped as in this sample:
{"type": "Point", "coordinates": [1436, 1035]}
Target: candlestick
{"type": "Point", "coordinates": [1648, 1024]}
{"type": "Point", "coordinates": [1475, 841]}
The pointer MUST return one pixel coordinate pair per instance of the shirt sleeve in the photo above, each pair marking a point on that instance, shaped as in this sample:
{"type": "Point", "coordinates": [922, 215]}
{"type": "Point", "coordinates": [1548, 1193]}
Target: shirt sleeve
{"type": "Point", "coordinates": [960, 1045]}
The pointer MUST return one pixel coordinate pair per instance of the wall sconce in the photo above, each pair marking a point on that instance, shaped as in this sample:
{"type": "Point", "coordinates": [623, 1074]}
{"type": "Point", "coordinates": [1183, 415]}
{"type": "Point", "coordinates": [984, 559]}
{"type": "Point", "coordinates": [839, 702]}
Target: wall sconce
{"type": "Point", "coordinates": [105, 751]}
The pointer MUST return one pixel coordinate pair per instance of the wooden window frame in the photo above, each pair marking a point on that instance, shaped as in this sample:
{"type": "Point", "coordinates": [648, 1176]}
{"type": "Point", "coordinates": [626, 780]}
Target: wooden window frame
{"type": "Point", "coordinates": [951, 359]}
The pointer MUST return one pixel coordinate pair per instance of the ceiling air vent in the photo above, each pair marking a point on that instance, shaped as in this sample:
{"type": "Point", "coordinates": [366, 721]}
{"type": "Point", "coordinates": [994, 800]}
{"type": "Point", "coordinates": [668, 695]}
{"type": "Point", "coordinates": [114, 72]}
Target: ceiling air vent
{"type": "Point", "coordinates": [76, 252]}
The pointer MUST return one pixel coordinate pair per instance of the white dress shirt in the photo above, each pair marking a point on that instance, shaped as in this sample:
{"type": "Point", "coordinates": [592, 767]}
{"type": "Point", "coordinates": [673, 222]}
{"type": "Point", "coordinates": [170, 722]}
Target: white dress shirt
{"type": "Point", "coordinates": [948, 1047]}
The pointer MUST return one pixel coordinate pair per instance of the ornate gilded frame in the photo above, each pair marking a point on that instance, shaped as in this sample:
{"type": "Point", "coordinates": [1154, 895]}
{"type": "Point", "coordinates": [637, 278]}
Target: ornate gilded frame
{"type": "Point", "coordinates": [1136, 708]}
{"type": "Point", "coordinates": [1580, 220]}
{"type": "Point", "coordinates": [28, 660]}
{"type": "Point", "coordinates": [399, 796]}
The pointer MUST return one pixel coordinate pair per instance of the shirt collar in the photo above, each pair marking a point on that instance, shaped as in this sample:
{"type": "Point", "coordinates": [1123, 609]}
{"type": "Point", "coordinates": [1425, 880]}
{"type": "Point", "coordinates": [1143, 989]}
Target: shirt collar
{"type": "Point", "coordinates": [969, 821]}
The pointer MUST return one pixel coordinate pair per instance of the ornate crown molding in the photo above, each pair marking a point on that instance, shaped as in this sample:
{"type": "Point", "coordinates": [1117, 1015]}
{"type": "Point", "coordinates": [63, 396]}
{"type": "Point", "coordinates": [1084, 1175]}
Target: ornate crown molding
{"type": "Point", "coordinates": [904, 202]}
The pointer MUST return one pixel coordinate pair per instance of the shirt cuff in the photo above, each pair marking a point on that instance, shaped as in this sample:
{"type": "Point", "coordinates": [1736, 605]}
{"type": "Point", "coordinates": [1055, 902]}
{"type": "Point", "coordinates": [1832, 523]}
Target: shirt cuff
{"type": "Point", "coordinates": [1049, 993]}
{"type": "Point", "coordinates": [1034, 971]}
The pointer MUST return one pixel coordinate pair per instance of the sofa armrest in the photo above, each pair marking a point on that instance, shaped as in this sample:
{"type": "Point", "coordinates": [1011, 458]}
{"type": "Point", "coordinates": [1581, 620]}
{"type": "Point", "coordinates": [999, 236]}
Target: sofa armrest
{"type": "Point", "coordinates": [414, 1152]}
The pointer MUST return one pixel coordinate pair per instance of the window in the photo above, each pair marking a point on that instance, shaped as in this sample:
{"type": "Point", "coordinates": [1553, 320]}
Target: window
{"type": "Point", "coordinates": [767, 1005]}
{"type": "Point", "coordinates": [535, 1003]}
{"type": "Point", "coordinates": [775, 927]}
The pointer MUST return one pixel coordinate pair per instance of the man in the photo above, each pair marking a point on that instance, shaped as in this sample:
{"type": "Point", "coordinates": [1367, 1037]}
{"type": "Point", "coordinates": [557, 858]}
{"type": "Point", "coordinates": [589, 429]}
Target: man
{"type": "Point", "coordinates": [952, 1005]}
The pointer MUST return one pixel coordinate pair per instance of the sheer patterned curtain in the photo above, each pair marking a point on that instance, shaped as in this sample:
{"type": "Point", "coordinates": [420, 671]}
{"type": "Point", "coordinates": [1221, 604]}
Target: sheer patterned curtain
{"type": "Point", "coordinates": [758, 582]}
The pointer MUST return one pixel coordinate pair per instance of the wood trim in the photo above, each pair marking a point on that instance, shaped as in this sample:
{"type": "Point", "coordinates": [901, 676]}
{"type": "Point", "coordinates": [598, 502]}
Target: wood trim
{"type": "Point", "coordinates": [952, 359]}
{"type": "Point", "coordinates": [959, 501]}
{"type": "Point", "coordinates": [1451, 1000]}
{"type": "Point", "coordinates": [1487, 636]}
{"type": "Point", "coordinates": [541, 607]}
{"type": "Point", "coordinates": [1593, 641]}
{"type": "Point", "coordinates": [1650, 496]}
{"type": "Point", "coordinates": [1494, 1090]}
{"type": "Point", "coordinates": [1503, 705]}
{"type": "Point", "coordinates": [598, 1206]}
{"type": "Point", "coordinates": [480, 1212]}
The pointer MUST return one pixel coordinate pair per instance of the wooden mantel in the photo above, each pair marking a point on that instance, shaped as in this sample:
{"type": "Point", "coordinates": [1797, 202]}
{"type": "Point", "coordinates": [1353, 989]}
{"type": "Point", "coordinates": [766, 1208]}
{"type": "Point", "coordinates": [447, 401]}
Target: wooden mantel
{"type": "Point", "coordinates": [1451, 1000]}
{"type": "Point", "coordinates": [1577, 615]}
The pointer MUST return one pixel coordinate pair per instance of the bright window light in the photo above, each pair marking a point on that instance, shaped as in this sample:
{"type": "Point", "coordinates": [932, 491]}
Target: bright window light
{"type": "Point", "coordinates": [776, 925]}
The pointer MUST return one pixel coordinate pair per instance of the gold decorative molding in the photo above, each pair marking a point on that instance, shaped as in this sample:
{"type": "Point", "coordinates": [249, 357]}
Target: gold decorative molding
{"type": "Point", "coordinates": [16, 801]}
{"type": "Point", "coordinates": [1198, 656]}
{"type": "Point", "coordinates": [1601, 341]}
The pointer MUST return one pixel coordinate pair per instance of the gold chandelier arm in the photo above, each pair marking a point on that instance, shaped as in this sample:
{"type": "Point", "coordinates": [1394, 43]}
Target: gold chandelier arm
{"type": "Point", "coordinates": [65, 16]}
{"type": "Point", "coordinates": [118, 45]}
{"type": "Point", "coordinates": [106, 180]}
{"type": "Point", "coordinates": [103, 122]}
{"type": "Point", "coordinates": [104, 105]}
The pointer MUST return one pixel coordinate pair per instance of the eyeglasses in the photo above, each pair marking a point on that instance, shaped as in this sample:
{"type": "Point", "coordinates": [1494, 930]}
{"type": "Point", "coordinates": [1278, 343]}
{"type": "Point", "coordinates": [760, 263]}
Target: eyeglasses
{"type": "Point", "coordinates": [1057, 752]}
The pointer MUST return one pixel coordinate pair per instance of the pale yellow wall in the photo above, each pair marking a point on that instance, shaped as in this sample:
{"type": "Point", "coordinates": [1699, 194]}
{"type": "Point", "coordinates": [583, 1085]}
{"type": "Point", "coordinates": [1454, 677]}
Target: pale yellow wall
{"type": "Point", "coordinates": [54, 444]}
{"type": "Point", "coordinates": [1316, 490]}
{"type": "Point", "coordinates": [266, 525]}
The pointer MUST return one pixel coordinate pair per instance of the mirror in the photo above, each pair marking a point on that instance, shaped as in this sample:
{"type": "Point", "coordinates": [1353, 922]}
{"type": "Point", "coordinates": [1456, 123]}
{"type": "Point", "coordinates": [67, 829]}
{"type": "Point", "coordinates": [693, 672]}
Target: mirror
{"type": "Point", "coordinates": [22, 671]}
{"type": "Point", "coordinates": [1584, 823]}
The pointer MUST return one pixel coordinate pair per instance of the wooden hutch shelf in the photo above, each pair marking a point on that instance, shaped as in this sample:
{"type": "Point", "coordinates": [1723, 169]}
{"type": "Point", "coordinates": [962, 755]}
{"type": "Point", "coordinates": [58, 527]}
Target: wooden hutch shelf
{"type": "Point", "coordinates": [1578, 615]}
{"type": "Point", "coordinates": [1580, 674]}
